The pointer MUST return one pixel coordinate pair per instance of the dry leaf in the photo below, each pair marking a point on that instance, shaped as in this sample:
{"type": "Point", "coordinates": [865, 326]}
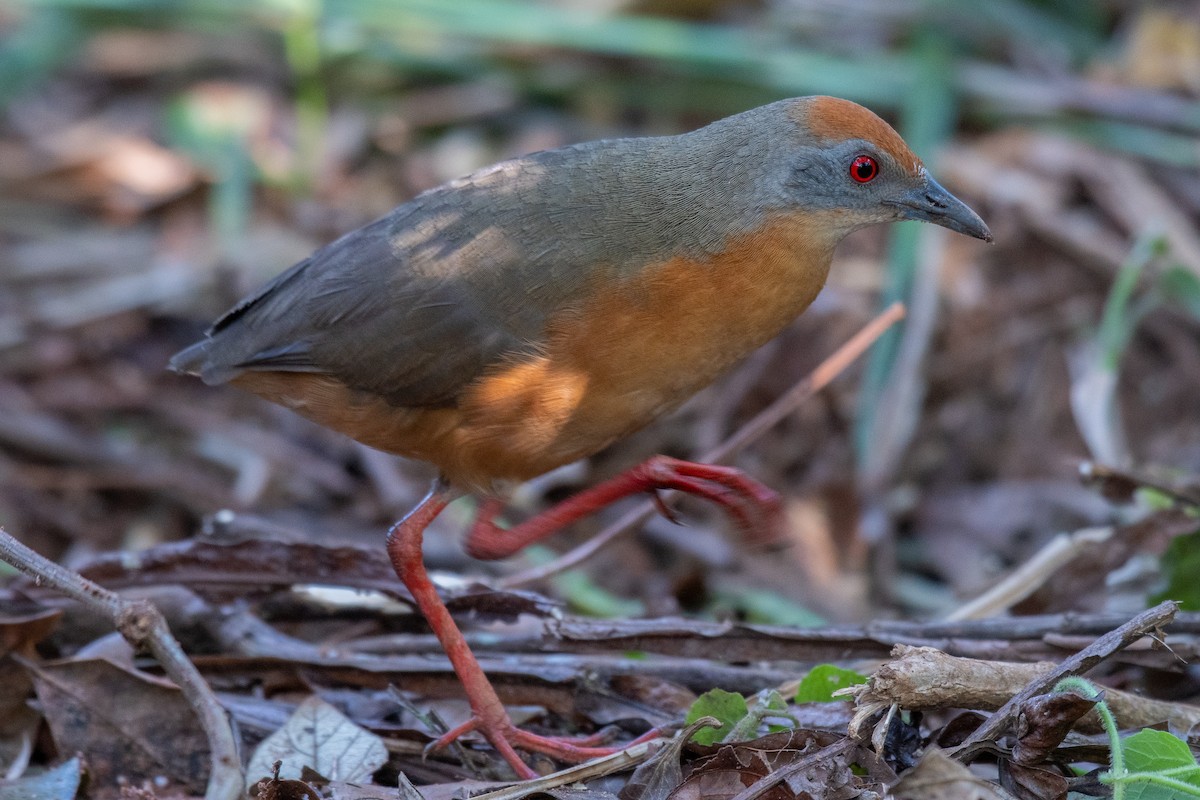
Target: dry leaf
{"type": "Point", "coordinates": [1044, 722]}
{"type": "Point", "coordinates": [60, 783]}
{"type": "Point", "coordinates": [939, 777]}
{"type": "Point", "coordinates": [128, 723]}
{"type": "Point", "coordinates": [319, 737]}
{"type": "Point", "coordinates": [659, 776]}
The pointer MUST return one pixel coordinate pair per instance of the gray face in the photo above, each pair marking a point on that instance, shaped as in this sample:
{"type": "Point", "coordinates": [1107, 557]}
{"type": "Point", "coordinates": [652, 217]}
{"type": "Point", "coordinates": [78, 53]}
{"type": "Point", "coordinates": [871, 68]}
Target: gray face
{"type": "Point", "coordinates": [821, 178]}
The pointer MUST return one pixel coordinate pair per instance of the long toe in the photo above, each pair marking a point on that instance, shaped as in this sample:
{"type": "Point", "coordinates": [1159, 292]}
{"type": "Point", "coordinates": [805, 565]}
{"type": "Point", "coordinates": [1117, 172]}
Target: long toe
{"type": "Point", "coordinates": [506, 738]}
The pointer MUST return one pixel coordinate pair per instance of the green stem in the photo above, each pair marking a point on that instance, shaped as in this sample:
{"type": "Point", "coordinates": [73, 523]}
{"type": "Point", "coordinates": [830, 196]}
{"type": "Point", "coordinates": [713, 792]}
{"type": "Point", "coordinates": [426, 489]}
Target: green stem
{"type": "Point", "coordinates": [1156, 778]}
{"type": "Point", "coordinates": [302, 47]}
{"type": "Point", "coordinates": [1118, 319]}
{"type": "Point", "coordinates": [1116, 755]}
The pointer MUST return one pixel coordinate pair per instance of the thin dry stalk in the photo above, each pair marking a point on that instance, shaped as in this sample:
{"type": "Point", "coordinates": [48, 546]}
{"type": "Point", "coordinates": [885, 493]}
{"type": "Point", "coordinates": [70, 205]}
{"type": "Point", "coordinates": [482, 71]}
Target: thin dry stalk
{"type": "Point", "coordinates": [723, 453]}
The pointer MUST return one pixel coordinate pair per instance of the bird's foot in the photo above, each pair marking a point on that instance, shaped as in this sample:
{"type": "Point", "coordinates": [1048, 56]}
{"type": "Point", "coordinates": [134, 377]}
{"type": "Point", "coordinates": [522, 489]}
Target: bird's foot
{"type": "Point", "coordinates": [506, 737]}
{"type": "Point", "coordinates": [756, 509]}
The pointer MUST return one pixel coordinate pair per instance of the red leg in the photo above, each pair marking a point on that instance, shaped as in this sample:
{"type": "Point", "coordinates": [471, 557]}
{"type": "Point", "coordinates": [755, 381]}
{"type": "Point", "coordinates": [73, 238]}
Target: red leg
{"type": "Point", "coordinates": [753, 506]}
{"type": "Point", "coordinates": [487, 712]}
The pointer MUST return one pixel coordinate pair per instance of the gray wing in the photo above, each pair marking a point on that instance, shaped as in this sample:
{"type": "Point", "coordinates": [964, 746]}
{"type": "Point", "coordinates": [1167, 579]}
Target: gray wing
{"type": "Point", "coordinates": [402, 308]}
{"type": "Point", "coordinates": [414, 306]}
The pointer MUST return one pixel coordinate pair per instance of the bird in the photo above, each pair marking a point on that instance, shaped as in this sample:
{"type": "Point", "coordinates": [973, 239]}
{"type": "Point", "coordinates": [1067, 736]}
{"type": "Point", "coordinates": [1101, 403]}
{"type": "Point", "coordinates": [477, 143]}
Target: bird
{"type": "Point", "coordinates": [530, 314]}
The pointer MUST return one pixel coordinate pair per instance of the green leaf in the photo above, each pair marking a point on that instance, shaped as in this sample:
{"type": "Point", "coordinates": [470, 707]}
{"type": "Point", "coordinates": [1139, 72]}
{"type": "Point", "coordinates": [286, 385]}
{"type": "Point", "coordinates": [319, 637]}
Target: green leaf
{"type": "Point", "coordinates": [585, 596]}
{"type": "Point", "coordinates": [1155, 751]}
{"type": "Point", "coordinates": [1181, 564]}
{"type": "Point", "coordinates": [728, 707]}
{"type": "Point", "coordinates": [1160, 767]}
{"type": "Point", "coordinates": [769, 608]}
{"type": "Point", "coordinates": [1180, 285]}
{"type": "Point", "coordinates": [823, 680]}
{"type": "Point", "coordinates": [770, 700]}
{"type": "Point", "coordinates": [1118, 320]}
{"type": "Point", "coordinates": [764, 704]}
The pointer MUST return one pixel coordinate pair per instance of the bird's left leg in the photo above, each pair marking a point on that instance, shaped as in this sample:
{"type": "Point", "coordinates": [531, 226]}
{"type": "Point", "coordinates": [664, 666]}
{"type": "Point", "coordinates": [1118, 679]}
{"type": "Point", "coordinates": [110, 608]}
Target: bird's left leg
{"type": "Point", "coordinates": [487, 712]}
{"type": "Point", "coordinates": [755, 508]}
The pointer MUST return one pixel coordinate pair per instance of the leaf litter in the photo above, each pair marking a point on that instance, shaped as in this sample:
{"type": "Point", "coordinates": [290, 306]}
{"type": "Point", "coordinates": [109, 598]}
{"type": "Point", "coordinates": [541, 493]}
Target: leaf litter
{"type": "Point", "coordinates": [122, 230]}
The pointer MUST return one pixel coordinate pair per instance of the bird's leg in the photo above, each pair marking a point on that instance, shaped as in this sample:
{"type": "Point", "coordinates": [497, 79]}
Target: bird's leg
{"type": "Point", "coordinates": [487, 712]}
{"type": "Point", "coordinates": [754, 507]}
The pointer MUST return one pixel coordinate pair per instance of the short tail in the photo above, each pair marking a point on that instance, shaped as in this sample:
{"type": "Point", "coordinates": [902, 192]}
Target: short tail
{"type": "Point", "coordinates": [190, 360]}
{"type": "Point", "coordinates": [195, 360]}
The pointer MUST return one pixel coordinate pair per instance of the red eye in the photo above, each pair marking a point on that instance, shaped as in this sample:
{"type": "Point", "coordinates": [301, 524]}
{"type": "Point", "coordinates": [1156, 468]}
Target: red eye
{"type": "Point", "coordinates": [864, 169]}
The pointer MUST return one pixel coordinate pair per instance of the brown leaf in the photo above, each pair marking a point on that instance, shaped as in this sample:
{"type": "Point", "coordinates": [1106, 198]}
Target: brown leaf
{"type": "Point", "coordinates": [18, 721]}
{"type": "Point", "coordinates": [20, 632]}
{"type": "Point", "coordinates": [731, 768]}
{"type": "Point", "coordinates": [939, 777]}
{"type": "Point", "coordinates": [1044, 721]}
{"type": "Point", "coordinates": [722, 784]}
{"type": "Point", "coordinates": [128, 723]}
{"type": "Point", "coordinates": [661, 774]}
{"type": "Point", "coordinates": [956, 731]}
{"type": "Point", "coordinates": [285, 789]}
{"type": "Point", "coordinates": [1032, 783]}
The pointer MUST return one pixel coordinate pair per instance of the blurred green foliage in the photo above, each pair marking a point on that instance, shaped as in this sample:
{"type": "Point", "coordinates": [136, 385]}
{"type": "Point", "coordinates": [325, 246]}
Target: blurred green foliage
{"type": "Point", "coordinates": [823, 680]}
{"type": "Point", "coordinates": [1181, 567]}
{"type": "Point", "coordinates": [933, 65]}
{"type": "Point", "coordinates": [761, 54]}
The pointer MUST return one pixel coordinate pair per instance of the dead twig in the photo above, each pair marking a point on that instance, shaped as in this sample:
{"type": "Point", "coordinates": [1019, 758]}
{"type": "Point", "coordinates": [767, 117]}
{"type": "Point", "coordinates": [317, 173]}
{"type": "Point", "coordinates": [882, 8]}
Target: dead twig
{"type": "Point", "coordinates": [1030, 576]}
{"type": "Point", "coordinates": [1077, 664]}
{"type": "Point", "coordinates": [143, 626]}
{"type": "Point", "coordinates": [557, 679]}
{"type": "Point", "coordinates": [814, 382]}
{"type": "Point", "coordinates": [597, 768]}
{"type": "Point", "coordinates": [921, 678]}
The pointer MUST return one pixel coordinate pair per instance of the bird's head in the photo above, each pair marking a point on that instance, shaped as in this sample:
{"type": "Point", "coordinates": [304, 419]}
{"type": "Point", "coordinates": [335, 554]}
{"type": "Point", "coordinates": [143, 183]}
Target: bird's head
{"type": "Point", "coordinates": [850, 161]}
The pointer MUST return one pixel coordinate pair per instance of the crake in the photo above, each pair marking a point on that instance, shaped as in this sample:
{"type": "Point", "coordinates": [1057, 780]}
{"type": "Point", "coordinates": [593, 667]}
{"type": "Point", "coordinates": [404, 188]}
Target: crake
{"type": "Point", "coordinates": [530, 314]}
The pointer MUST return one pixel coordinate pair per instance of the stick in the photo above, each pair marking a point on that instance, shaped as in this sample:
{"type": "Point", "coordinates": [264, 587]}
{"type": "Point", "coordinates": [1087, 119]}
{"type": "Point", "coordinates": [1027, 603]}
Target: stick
{"type": "Point", "coordinates": [1033, 574]}
{"type": "Point", "coordinates": [143, 626]}
{"type": "Point", "coordinates": [1077, 664]}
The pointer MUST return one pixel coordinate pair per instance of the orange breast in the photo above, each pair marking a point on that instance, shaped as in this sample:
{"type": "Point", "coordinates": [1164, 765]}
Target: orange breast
{"type": "Point", "coordinates": [630, 351]}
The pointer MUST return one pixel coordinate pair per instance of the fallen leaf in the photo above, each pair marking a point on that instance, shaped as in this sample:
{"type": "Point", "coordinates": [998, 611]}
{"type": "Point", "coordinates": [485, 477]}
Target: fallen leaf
{"type": "Point", "coordinates": [19, 722]}
{"type": "Point", "coordinates": [726, 707]}
{"type": "Point", "coordinates": [129, 724]}
{"type": "Point", "coordinates": [1032, 783]}
{"type": "Point", "coordinates": [661, 774]}
{"type": "Point", "coordinates": [276, 788]}
{"type": "Point", "coordinates": [20, 632]}
{"type": "Point", "coordinates": [1043, 723]}
{"type": "Point", "coordinates": [319, 737]}
{"type": "Point", "coordinates": [940, 777]}
{"type": "Point", "coordinates": [729, 769]}
{"type": "Point", "coordinates": [823, 680]}
{"type": "Point", "coordinates": [60, 783]}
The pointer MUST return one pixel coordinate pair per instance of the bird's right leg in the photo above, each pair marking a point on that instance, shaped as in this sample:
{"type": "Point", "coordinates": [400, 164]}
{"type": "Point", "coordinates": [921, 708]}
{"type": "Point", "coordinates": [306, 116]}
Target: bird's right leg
{"type": "Point", "coordinates": [755, 508]}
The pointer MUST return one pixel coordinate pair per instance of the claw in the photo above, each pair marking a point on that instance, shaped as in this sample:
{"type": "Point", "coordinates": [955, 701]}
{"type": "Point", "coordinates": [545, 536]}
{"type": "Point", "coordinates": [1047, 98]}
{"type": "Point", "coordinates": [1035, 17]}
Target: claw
{"type": "Point", "coordinates": [669, 513]}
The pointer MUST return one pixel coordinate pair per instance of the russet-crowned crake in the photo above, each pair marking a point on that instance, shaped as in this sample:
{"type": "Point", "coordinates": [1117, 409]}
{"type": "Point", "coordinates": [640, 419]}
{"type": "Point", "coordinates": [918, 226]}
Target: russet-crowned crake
{"type": "Point", "coordinates": [528, 315]}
